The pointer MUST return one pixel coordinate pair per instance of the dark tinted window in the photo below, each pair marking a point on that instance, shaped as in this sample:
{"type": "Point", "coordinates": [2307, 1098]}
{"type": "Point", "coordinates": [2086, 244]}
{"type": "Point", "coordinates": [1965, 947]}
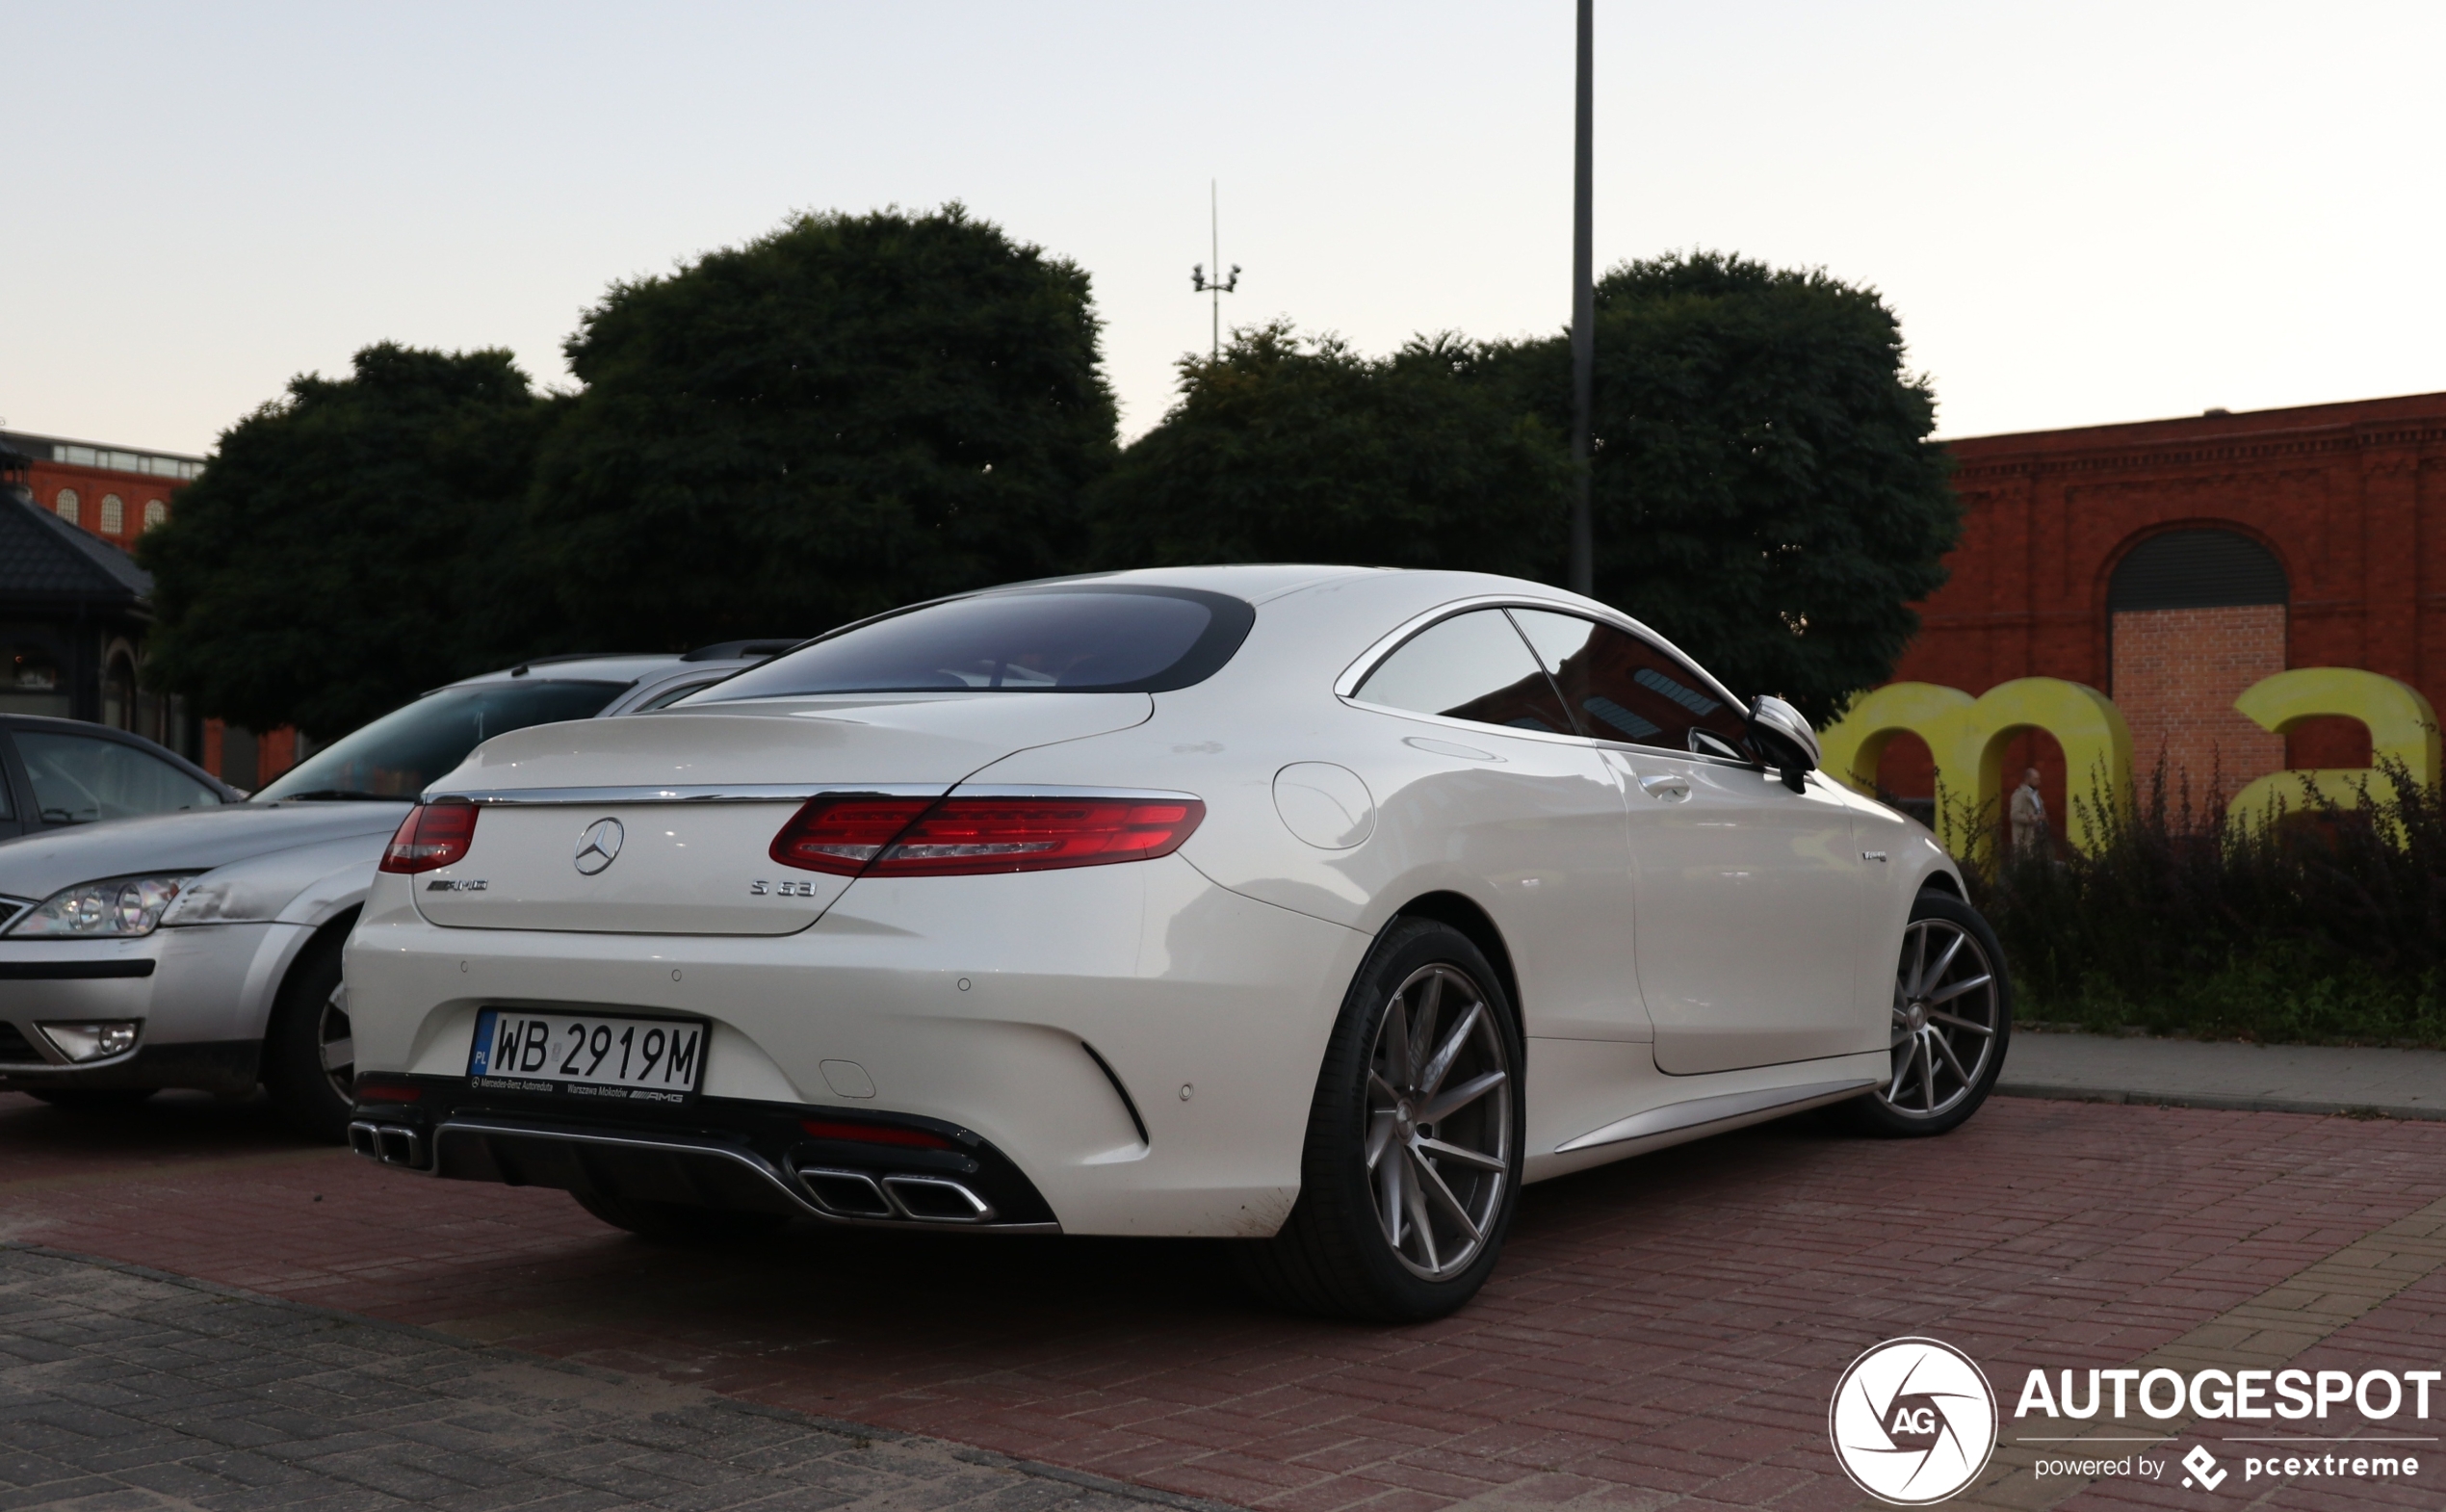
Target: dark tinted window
{"type": "Point", "coordinates": [2196, 569]}
{"type": "Point", "coordinates": [79, 779]}
{"type": "Point", "coordinates": [1619, 688]}
{"type": "Point", "coordinates": [398, 753]}
{"type": "Point", "coordinates": [1471, 667]}
{"type": "Point", "coordinates": [1069, 639]}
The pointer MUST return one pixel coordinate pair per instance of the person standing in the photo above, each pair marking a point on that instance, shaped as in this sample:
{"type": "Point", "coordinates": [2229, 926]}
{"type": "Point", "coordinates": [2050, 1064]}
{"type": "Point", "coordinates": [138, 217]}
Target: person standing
{"type": "Point", "coordinates": [2028, 812]}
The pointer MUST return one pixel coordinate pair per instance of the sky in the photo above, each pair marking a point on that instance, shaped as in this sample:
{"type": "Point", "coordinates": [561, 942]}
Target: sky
{"type": "Point", "coordinates": [2082, 213]}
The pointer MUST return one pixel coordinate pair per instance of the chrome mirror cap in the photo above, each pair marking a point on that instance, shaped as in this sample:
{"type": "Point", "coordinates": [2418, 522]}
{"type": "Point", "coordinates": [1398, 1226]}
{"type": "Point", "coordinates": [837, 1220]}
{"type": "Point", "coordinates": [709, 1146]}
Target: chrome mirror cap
{"type": "Point", "coordinates": [1782, 738]}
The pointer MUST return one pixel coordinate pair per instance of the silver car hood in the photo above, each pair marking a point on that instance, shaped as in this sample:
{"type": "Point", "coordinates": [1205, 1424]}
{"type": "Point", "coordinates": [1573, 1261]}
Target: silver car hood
{"type": "Point", "coordinates": [198, 840]}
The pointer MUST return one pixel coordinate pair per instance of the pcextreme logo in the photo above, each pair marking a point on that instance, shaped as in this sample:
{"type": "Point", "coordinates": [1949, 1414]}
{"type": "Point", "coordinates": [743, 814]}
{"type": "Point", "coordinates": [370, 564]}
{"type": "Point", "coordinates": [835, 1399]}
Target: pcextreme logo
{"type": "Point", "coordinates": [1914, 1422]}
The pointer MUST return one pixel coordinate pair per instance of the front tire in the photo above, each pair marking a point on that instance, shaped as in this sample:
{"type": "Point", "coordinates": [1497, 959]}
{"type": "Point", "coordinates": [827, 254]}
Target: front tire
{"type": "Point", "coordinates": [1952, 1022]}
{"type": "Point", "coordinates": [309, 1055]}
{"type": "Point", "coordinates": [1412, 1166]}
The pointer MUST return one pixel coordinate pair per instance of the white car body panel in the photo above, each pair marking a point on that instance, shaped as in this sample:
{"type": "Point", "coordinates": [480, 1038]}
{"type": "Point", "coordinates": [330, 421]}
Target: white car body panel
{"type": "Point", "coordinates": [1682, 966]}
{"type": "Point", "coordinates": [689, 882]}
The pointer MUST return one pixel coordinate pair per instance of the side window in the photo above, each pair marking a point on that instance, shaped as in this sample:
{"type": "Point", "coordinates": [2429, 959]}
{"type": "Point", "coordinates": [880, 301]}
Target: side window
{"type": "Point", "coordinates": [1622, 689]}
{"type": "Point", "coordinates": [1471, 667]}
{"type": "Point", "coordinates": [80, 780]}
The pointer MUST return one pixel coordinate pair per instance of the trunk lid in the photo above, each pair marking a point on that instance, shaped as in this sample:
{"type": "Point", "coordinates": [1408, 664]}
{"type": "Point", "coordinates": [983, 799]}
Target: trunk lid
{"type": "Point", "coordinates": [695, 797]}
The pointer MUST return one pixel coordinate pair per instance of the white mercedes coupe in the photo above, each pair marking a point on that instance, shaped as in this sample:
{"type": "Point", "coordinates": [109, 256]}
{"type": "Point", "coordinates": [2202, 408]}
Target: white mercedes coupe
{"type": "Point", "coordinates": [1314, 907]}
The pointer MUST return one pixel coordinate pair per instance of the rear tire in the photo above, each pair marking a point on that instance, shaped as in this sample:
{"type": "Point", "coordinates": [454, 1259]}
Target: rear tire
{"type": "Point", "coordinates": [309, 1056]}
{"type": "Point", "coordinates": [94, 1099]}
{"type": "Point", "coordinates": [678, 1222]}
{"type": "Point", "coordinates": [1412, 1166]}
{"type": "Point", "coordinates": [1952, 1023]}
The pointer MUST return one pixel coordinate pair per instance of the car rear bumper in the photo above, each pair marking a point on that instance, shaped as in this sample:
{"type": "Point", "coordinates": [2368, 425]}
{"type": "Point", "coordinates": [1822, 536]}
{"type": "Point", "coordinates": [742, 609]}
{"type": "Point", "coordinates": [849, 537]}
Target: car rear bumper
{"type": "Point", "coordinates": [1140, 1045]}
{"type": "Point", "coordinates": [721, 1153]}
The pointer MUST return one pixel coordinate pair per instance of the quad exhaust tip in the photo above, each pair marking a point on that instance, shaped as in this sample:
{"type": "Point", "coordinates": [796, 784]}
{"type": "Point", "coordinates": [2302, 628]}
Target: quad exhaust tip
{"type": "Point", "coordinates": [389, 1143]}
{"type": "Point", "coordinates": [924, 1199]}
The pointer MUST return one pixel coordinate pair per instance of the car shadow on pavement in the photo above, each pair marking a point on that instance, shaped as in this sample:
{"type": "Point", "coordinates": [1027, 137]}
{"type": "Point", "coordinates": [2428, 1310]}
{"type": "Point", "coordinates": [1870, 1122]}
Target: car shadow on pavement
{"type": "Point", "coordinates": [527, 1266]}
{"type": "Point", "coordinates": [182, 1125]}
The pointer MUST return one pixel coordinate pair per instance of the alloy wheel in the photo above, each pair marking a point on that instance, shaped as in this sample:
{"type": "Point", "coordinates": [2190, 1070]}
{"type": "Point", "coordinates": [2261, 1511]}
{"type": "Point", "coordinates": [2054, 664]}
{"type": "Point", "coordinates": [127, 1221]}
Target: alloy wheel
{"type": "Point", "coordinates": [336, 1045]}
{"type": "Point", "coordinates": [1439, 1124]}
{"type": "Point", "coordinates": [1946, 1013]}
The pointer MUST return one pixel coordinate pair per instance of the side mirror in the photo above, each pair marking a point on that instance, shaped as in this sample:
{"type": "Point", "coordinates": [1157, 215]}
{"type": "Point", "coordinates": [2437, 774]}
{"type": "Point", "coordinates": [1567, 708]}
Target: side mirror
{"type": "Point", "coordinates": [1783, 740]}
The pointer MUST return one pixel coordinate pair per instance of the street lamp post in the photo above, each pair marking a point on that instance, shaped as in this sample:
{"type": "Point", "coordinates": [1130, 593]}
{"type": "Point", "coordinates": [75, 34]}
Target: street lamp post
{"type": "Point", "coordinates": [1583, 318]}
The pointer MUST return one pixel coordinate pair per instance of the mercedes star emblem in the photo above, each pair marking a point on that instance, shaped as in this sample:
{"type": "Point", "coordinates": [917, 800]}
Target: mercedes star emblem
{"type": "Point", "coordinates": [599, 846]}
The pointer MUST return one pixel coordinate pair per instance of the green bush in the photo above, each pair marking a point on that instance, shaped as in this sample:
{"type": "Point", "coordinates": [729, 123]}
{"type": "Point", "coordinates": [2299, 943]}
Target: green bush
{"type": "Point", "coordinates": [2325, 925]}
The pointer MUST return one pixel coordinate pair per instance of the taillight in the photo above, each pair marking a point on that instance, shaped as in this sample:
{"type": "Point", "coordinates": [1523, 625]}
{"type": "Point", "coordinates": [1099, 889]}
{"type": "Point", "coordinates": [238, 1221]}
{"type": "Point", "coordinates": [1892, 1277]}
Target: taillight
{"type": "Point", "coordinates": [965, 836]}
{"type": "Point", "coordinates": [842, 835]}
{"type": "Point", "coordinates": [434, 835]}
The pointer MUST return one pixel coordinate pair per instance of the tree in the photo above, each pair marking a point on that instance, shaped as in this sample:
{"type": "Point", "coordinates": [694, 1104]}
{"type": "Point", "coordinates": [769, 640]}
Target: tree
{"type": "Point", "coordinates": [848, 414]}
{"type": "Point", "coordinates": [352, 544]}
{"type": "Point", "coordinates": [1285, 450]}
{"type": "Point", "coordinates": [1764, 490]}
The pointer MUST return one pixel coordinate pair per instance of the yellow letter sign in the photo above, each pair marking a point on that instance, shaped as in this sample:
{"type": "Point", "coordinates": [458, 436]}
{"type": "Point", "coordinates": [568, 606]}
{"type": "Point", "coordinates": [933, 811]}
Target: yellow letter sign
{"type": "Point", "coordinates": [2402, 727]}
{"type": "Point", "coordinates": [1966, 738]}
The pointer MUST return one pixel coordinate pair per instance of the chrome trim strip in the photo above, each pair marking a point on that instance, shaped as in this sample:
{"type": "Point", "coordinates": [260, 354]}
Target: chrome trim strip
{"type": "Point", "coordinates": [794, 793]}
{"type": "Point", "coordinates": [705, 793]}
{"type": "Point", "coordinates": [1346, 685]}
{"type": "Point", "coordinates": [1699, 1110]}
{"type": "Point", "coordinates": [683, 1145]}
{"type": "Point", "coordinates": [1043, 789]}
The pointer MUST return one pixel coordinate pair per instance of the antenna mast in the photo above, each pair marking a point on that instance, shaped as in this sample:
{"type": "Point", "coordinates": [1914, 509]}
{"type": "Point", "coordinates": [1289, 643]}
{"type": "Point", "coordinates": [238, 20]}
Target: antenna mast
{"type": "Point", "coordinates": [1220, 285]}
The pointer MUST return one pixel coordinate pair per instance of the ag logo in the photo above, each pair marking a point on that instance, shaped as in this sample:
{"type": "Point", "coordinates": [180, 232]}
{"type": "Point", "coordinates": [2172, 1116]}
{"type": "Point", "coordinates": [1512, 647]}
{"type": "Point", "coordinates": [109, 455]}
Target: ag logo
{"type": "Point", "coordinates": [1913, 1420]}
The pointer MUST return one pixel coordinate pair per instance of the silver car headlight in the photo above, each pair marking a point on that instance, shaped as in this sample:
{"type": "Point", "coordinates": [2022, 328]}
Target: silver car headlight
{"type": "Point", "coordinates": [116, 907]}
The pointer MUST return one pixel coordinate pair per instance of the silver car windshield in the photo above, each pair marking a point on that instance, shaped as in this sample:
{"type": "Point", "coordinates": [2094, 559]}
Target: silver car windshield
{"type": "Point", "coordinates": [398, 753]}
{"type": "Point", "coordinates": [1071, 639]}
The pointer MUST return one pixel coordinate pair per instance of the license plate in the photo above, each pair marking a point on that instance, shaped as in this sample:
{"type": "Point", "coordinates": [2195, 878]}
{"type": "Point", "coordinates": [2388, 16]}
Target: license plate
{"type": "Point", "coordinates": [588, 1054]}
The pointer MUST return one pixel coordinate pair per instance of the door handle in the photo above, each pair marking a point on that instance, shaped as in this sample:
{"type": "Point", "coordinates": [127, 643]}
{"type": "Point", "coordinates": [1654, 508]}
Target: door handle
{"type": "Point", "coordinates": [1666, 787]}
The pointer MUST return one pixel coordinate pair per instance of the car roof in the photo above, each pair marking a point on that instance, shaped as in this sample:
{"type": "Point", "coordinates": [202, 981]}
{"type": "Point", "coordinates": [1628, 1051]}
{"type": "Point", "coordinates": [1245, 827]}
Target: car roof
{"type": "Point", "coordinates": [1255, 581]}
{"type": "Point", "coordinates": [85, 727]}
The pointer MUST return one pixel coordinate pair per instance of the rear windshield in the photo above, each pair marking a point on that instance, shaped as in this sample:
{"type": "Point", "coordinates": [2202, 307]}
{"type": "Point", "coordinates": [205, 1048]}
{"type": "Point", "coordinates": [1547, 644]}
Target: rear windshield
{"type": "Point", "coordinates": [1068, 640]}
{"type": "Point", "coordinates": [398, 753]}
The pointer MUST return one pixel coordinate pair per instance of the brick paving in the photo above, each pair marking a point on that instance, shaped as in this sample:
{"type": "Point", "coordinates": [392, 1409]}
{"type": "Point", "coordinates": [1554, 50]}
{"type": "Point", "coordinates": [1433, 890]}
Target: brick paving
{"type": "Point", "coordinates": [131, 1391]}
{"type": "Point", "coordinates": [1665, 1331]}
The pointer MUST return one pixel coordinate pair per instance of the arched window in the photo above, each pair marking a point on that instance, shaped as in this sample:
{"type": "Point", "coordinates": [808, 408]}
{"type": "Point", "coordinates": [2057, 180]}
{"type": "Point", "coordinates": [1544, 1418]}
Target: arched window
{"type": "Point", "coordinates": [2194, 618]}
{"type": "Point", "coordinates": [64, 506]}
{"type": "Point", "coordinates": [118, 692]}
{"type": "Point", "coordinates": [156, 512]}
{"type": "Point", "coordinates": [2196, 569]}
{"type": "Point", "coordinates": [114, 514]}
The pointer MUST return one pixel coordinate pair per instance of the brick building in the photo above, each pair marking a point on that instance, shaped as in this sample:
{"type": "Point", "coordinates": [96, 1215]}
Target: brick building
{"type": "Point", "coordinates": [117, 494]}
{"type": "Point", "coordinates": [2171, 563]}
{"type": "Point", "coordinates": [73, 606]}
